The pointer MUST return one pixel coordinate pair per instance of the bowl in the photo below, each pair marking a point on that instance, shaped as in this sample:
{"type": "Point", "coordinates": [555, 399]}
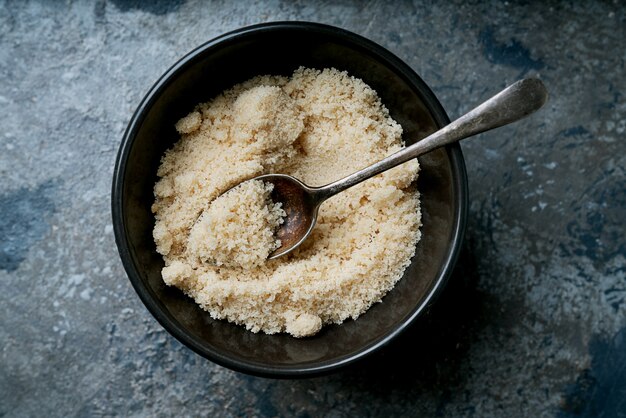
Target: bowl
{"type": "Point", "coordinates": [280, 48]}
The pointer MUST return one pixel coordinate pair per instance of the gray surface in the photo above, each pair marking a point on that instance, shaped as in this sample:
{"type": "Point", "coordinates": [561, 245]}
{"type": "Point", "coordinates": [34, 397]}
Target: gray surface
{"type": "Point", "coordinates": [534, 323]}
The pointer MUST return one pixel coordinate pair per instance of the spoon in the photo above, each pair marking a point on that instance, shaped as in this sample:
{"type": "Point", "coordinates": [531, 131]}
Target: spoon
{"type": "Point", "coordinates": [301, 202]}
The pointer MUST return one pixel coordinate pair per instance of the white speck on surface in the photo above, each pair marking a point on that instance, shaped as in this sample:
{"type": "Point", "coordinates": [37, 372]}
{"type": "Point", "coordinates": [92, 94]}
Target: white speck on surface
{"type": "Point", "coordinates": [542, 205]}
{"type": "Point", "coordinates": [491, 154]}
{"type": "Point", "coordinates": [606, 138]}
{"type": "Point", "coordinates": [68, 75]}
{"type": "Point", "coordinates": [76, 279]}
{"type": "Point", "coordinates": [551, 165]}
{"type": "Point", "coordinates": [85, 294]}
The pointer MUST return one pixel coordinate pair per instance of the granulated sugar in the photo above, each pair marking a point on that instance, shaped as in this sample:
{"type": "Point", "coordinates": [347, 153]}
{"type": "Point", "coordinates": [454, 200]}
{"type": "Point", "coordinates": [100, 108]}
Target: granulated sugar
{"type": "Point", "coordinates": [318, 126]}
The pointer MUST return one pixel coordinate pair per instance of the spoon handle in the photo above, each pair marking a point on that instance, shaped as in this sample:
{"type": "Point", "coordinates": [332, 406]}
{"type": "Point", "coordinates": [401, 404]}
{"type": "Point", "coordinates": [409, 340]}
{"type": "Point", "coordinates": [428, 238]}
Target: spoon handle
{"type": "Point", "coordinates": [511, 104]}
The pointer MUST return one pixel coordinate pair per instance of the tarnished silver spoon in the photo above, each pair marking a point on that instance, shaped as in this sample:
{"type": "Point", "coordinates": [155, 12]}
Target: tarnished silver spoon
{"type": "Point", "coordinates": [301, 202]}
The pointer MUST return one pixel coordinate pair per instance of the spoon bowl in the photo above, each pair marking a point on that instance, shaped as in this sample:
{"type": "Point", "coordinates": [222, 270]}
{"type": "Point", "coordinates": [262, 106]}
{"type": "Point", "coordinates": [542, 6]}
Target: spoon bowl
{"type": "Point", "coordinates": [300, 203]}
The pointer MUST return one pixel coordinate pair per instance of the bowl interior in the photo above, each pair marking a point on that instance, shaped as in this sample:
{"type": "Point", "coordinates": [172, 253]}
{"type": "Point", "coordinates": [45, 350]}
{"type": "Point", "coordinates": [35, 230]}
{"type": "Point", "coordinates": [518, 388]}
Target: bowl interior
{"type": "Point", "coordinates": [280, 49]}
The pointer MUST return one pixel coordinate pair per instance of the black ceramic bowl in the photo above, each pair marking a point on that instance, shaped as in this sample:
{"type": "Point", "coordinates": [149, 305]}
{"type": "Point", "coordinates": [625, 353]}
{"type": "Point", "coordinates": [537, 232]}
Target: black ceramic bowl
{"type": "Point", "coordinates": [280, 48]}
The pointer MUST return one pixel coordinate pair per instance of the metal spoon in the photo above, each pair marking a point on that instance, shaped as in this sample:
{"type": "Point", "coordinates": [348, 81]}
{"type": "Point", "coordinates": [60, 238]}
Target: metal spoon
{"type": "Point", "coordinates": [301, 202]}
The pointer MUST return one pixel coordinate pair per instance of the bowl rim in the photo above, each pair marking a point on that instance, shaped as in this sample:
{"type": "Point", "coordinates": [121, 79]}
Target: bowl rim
{"type": "Point", "coordinates": [172, 326]}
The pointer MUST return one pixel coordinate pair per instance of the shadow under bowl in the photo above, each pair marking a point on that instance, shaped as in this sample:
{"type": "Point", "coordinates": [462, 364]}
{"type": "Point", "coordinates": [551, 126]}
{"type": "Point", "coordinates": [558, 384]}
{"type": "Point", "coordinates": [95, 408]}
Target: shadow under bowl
{"type": "Point", "coordinates": [280, 48]}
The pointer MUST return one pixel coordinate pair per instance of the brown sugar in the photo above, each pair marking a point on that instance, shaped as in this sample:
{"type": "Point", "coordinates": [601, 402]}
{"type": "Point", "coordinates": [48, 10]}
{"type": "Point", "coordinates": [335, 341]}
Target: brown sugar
{"type": "Point", "coordinates": [318, 126]}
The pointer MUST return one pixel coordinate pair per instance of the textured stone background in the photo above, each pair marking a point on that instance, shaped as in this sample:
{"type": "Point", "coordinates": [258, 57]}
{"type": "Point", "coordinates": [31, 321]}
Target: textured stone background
{"type": "Point", "coordinates": [534, 322]}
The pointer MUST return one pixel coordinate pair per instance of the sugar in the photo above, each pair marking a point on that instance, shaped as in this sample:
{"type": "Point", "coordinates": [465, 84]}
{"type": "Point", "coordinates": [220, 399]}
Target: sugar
{"type": "Point", "coordinates": [318, 126]}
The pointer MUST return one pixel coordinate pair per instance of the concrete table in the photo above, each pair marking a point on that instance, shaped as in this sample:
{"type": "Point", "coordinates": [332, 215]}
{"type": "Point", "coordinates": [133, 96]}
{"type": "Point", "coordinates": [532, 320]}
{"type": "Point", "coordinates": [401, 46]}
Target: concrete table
{"type": "Point", "coordinates": [534, 321]}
